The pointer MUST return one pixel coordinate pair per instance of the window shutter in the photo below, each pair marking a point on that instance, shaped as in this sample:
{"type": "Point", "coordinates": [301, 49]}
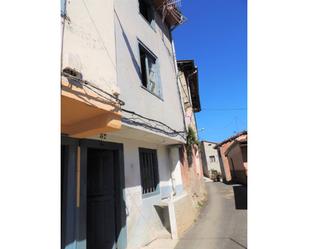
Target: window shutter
{"type": "Point", "coordinates": [158, 79]}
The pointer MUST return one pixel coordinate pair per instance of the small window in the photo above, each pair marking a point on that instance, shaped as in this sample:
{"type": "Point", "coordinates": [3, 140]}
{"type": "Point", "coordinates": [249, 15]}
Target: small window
{"type": "Point", "coordinates": [212, 159]}
{"type": "Point", "coordinates": [149, 170]}
{"type": "Point", "coordinates": [146, 10]}
{"type": "Point", "coordinates": [150, 76]}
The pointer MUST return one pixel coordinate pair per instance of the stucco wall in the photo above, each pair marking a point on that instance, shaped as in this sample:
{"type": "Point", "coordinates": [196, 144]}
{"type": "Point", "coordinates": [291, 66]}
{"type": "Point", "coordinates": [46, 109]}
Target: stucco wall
{"type": "Point", "coordinates": [185, 214]}
{"type": "Point", "coordinates": [187, 102]}
{"type": "Point", "coordinates": [225, 161]}
{"type": "Point", "coordinates": [143, 220]}
{"type": "Point", "coordinates": [89, 42]}
{"type": "Point", "coordinates": [238, 173]}
{"type": "Point", "coordinates": [130, 27]}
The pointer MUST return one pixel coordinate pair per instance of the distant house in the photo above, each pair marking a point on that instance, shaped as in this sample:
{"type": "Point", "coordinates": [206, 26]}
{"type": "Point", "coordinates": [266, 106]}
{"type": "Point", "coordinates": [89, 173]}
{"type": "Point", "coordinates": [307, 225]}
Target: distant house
{"type": "Point", "coordinates": [211, 159]}
{"type": "Point", "coordinates": [237, 157]}
{"type": "Point", "coordinates": [233, 155]}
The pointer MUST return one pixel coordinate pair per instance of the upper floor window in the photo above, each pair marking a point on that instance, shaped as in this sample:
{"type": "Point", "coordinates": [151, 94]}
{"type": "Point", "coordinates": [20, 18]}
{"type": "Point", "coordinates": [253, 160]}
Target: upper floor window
{"type": "Point", "coordinates": [150, 75]}
{"type": "Point", "coordinates": [146, 10]}
{"type": "Point", "coordinates": [212, 159]}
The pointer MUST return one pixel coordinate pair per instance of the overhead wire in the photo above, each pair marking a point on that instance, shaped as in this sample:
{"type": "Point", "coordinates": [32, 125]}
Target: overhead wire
{"type": "Point", "coordinates": [144, 121]}
{"type": "Point", "coordinates": [154, 124]}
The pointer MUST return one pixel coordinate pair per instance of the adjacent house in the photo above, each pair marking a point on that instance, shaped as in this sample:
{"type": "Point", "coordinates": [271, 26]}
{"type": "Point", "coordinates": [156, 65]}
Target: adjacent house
{"type": "Point", "coordinates": [233, 155]}
{"type": "Point", "coordinates": [211, 159]}
{"type": "Point", "coordinates": [190, 154]}
{"type": "Point", "coordinates": [237, 157]}
{"type": "Point", "coordinates": [122, 124]}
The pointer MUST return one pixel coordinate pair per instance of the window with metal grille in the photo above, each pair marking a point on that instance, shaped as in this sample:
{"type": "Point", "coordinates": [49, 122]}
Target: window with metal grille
{"type": "Point", "coordinates": [149, 170]}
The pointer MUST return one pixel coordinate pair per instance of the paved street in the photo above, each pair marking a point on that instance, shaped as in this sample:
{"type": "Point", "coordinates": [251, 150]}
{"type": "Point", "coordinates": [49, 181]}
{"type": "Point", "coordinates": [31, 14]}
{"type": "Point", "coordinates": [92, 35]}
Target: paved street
{"type": "Point", "coordinates": [222, 223]}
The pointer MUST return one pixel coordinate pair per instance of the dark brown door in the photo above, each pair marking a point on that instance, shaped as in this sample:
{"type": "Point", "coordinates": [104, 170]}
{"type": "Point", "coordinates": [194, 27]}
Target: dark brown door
{"type": "Point", "coordinates": [101, 196]}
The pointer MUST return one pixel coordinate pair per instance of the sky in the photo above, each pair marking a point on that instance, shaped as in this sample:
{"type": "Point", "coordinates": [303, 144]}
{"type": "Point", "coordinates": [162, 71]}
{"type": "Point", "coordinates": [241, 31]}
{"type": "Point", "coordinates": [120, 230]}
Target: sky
{"type": "Point", "coordinates": [215, 37]}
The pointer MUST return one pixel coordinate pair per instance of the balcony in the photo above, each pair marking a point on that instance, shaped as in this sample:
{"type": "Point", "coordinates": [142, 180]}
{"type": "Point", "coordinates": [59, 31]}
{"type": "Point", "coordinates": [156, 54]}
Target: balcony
{"type": "Point", "coordinates": [87, 110]}
{"type": "Point", "coordinates": [170, 12]}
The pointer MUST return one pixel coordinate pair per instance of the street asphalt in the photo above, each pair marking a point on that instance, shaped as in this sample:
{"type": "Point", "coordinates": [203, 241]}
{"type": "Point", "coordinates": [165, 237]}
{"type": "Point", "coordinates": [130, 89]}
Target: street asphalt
{"type": "Point", "coordinates": [222, 223]}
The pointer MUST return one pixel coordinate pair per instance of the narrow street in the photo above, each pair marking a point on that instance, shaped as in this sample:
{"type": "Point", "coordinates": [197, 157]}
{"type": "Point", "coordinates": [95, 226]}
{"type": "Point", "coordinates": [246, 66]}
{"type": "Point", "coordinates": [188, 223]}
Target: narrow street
{"type": "Point", "coordinates": [222, 223]}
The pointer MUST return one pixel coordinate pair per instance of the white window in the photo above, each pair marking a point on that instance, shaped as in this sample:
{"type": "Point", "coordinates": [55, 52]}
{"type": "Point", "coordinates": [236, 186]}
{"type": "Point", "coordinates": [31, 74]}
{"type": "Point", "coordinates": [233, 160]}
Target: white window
{"type": "Point", "coordinates": [150, 75]}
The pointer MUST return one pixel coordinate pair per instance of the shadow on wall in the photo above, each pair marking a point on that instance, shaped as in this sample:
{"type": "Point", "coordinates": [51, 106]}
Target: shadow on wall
{"type": "Point", "coordinates": [134, 61]}
{"type": "Point", "coordinates": [240, 195]}
{"type": "Point", "coordinates": [163, 214]}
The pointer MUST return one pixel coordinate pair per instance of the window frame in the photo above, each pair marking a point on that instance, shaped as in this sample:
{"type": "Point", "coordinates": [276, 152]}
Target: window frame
{"type": "Point", "coordinates": [155, 171]}
{"type": "Point", "coordinates": [150, 11]}
{"type": "Point", "coordinates": [142, 46]}
{"type": "Point", "coordinates": [212, 159]}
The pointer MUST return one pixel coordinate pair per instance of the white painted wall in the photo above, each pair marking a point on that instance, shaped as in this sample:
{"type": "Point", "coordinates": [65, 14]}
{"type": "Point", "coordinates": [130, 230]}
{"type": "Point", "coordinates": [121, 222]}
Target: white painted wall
{"type": "Point", "coordinates": [175, 167]}
{"type": "Point", "coordinates": [143, 222]}
{"type": "Point", "coordinates": [210, 151]}
{"type": "Point", "coordinates": [131, 26]}
{"type": "Point", "coordinates": [89, 41]}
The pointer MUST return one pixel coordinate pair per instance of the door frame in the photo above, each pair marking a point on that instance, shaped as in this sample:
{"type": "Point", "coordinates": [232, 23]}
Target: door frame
{"type": "Point", "coordinates": [71, 190]}
{"type": "Point", "coordinates": [120, 213]}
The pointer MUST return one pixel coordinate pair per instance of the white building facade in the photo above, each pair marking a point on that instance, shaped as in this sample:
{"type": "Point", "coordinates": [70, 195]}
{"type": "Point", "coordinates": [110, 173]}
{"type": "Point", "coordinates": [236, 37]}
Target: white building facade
{"type": "Point", "coordinates": [211, 156]}
{"type": "Point", "coordinates": [120, 141]}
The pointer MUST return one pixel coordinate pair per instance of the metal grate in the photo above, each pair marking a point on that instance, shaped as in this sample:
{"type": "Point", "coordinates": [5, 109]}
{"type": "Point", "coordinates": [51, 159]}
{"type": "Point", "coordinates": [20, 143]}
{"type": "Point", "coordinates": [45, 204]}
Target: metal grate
{"type": "Point", "coordinates": [149, 170]}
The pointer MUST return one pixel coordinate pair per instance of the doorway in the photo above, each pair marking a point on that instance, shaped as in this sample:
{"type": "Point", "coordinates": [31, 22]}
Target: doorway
{"type": "Point", "coordinates": [101, 199]}
{"type": "Point", "coordinates": [68, 192]}
{"type": "Point", "coordinates": [102, 184]}
{"type": "Point", "coordinates": [92, 206]}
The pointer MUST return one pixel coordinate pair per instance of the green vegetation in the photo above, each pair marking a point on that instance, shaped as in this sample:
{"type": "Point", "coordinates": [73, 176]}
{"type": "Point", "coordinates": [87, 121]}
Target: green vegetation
{"type": "Point", "coordinates": [191, 141]}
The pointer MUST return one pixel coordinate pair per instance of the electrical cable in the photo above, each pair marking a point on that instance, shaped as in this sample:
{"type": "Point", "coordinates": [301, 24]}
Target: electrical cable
{"type": "Point", "coordinates": [90, 86]}
{"type": "Point", "coordinates": [87, 84]}
{"type": "Point", "coordinates": [151, 126]}
{"type": "Point", "coordinates": [171, 132]}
